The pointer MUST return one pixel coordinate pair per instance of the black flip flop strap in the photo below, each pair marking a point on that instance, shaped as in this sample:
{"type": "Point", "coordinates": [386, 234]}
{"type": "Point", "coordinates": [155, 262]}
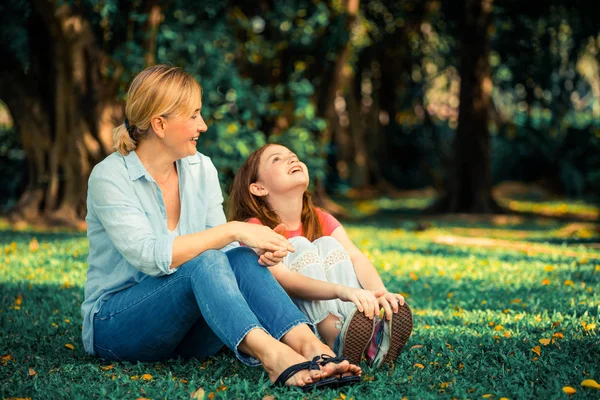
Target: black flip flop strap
{"type": "Point", "coordinates": [294, 369]}
{"type": "Point", "coordinates": [326, 359]}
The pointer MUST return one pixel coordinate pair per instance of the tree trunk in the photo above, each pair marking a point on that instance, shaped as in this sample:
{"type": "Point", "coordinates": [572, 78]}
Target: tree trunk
{"type": "Point", "coordinates": [469, 188]}
{"type": "Point", "coordinates": [64, 109]}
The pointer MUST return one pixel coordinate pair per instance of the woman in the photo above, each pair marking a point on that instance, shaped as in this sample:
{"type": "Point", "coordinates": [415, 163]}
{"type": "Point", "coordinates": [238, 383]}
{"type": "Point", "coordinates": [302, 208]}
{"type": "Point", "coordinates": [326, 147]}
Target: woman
{"type": "Point", "coordinates": [166, 277]}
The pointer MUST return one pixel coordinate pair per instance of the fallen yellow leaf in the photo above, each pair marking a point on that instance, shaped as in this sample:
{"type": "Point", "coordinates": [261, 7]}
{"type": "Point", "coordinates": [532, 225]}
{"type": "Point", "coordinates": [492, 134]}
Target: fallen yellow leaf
{"type": "Point", "coordinates": [419, 365]}
{"type": "Point", "coordinates": [590, 327]}
{"type": "Point", "coordinates": [33, 373]}
{"type": "Point", "coordinates": [413, 276]}
{"type": "Point", "coordinates": [416, 346]}
{"type": "Point", "coordinates": [146, 377]}
{"type": "Point", "coordinates": [558, 335]}
{"type": "Point", "coordinates": [537, 350]}
{"type": "Point", "coordinates": [34, 245]}
{"type": "Point", "coordinates": [548, 268]}
{"type": "Point", "coordinates": [342, 396]}
{"type": "Point", "coordinates": [134, 378]}
{"type": "Point", "coordinates": [198, 394]}
{"type": "Point", "coordinates": [487, 396]}
{"type": "Point", "coordinates": [569, 390]}
{"type": "Point", "coordinates": [545, 342]}
{"type": "Point", "coordinates": [70, 346]}
{"type": "Point", "coordinates": [546, 282]}
{"type": "Point", "coordinates": [569, 282]}
{"type": "Point", "coordinates": [6, 358]}
{"type": "Point", "coordinates": [590, 383]}
{"type": "Point", "coordinates": [499, 328]}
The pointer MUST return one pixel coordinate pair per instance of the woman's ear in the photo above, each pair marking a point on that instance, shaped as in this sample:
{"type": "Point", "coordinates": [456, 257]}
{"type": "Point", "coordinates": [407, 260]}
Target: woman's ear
{"type": "Point", "coordinates": [258, 190]}
{"type": "Point", "coordinates": [158, 126]}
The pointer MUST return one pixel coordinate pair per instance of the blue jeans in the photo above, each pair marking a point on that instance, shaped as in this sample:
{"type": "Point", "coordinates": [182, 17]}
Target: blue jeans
{"type": "Point", "coordinates": [212, 300]}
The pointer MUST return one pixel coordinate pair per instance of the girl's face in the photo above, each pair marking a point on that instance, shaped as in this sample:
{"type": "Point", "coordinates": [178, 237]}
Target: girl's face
{"type": "Point", "coordinates": [182, 132]}
{"type": "Point", "coordinates": [280, 171]}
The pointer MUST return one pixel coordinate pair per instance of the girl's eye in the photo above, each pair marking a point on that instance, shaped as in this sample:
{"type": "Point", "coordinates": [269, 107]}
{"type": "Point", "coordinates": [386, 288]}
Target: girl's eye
{"type": "Point", "coordinates": [276, 158]}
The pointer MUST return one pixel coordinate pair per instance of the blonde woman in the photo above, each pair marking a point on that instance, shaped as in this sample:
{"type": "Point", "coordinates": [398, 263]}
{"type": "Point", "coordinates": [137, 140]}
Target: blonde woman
{"type": "Point", "coordinates": [166, 275]}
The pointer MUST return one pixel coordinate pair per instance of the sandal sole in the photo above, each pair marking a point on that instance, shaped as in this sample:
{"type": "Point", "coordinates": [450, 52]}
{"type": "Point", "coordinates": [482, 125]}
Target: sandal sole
{"type": "Point", "coordinates": [400, 330]}
{"type": "Point", "coordinates": [358, 337]}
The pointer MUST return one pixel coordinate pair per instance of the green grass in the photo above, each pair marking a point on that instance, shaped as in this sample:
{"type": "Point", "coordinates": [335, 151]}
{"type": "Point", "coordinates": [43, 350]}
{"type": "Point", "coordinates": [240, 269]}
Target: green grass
{"type": "Point", "coordinates": [478, 312]}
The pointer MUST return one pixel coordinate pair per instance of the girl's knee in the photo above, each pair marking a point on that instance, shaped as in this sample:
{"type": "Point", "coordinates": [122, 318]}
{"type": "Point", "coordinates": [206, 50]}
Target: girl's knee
{"type": "Point", "coordinates": [327, 243]}
{"type": "Point", "coordinates": [302, 244]}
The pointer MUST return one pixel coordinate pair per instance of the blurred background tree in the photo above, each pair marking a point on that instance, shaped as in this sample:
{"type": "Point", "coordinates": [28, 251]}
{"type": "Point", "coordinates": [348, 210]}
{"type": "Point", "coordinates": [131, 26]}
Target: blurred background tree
{"type": "Point", "coordinates": [376, 96]}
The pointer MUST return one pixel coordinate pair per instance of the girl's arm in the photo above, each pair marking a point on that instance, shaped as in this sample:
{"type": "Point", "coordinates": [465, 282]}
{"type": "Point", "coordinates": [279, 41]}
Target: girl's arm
{"type": "Point", "coordinates": [365, 271]}
{"type": "Point", "coordinates": [303, 287]}
{"type": "Point", "coordinates": [367, 274]}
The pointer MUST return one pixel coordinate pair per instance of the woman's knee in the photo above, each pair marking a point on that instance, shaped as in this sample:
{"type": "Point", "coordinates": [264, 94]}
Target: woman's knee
{"type": "Point", "coordinates": [241, 256]}
{"type": "Point", "coordinates": [302, 244]}
{"type": "Point", "coordinates": [209, 262]}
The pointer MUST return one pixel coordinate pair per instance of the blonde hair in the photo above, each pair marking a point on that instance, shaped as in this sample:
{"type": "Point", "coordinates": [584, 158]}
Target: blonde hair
{"type": "Point", "coordinates": [158, 90]}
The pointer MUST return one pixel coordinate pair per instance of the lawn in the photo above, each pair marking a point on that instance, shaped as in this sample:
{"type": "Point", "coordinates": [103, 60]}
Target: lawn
{"type": "Point", "coordinates": [503, 307]}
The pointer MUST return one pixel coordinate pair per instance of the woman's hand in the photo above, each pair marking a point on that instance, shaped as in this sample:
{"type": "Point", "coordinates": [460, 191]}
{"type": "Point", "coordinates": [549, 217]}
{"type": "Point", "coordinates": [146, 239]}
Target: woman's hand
{"type": "Point", "coordinates": [390, 303]}
{"type": "Point", "coordinates": [365, 300]}
{"type": "Point", "coordinates": [264, 239]}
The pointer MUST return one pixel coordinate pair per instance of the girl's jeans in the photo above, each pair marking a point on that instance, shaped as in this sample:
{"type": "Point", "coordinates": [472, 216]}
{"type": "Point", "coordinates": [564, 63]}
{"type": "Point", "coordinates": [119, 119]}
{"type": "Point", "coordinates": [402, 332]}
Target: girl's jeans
{"type": "Point", "coordinates": [212, 300]}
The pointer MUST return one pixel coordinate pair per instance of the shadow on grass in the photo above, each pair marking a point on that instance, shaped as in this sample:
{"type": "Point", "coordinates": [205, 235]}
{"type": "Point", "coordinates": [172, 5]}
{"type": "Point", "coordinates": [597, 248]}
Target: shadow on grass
{"type": "Point", "coordinates": [464, 252]}
{"type": "Point", "coordinates": [9, 236]}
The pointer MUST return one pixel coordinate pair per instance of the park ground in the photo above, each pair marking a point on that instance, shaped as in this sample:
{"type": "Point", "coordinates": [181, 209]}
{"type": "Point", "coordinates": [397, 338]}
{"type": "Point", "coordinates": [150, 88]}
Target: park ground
{"type": "Point", "coordinates": [504, 306]}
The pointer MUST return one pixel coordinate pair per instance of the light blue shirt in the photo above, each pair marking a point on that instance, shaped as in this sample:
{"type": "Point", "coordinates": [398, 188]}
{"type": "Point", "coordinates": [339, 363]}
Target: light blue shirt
{"type": "Point", "coordinates": [127, 225]}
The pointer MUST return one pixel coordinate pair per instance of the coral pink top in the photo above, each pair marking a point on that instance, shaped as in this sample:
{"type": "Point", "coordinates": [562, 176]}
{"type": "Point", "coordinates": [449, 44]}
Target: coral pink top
{"type": "Point", "coordinates": [328, 224]}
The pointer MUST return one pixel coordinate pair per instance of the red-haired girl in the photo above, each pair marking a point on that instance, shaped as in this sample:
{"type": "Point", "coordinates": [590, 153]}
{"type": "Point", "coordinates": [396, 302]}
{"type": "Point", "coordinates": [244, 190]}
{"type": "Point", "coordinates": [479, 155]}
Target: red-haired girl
{"type": "Point", "coordinates": [328, 277]}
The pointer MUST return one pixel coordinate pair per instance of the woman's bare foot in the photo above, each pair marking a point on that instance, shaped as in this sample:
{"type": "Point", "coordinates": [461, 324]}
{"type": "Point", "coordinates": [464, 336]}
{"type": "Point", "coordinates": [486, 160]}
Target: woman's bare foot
{"type": "Point", "coordinates": [317, 348]}
{"type": "Point", "coordinates": [281, 357]}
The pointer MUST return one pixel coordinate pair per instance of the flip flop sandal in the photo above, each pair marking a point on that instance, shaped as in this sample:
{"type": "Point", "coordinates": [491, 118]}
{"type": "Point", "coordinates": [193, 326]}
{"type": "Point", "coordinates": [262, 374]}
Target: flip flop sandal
{"type": "Point", "coordinates": [306, 365]}
{"type": "Point", "coordinates": [395, 335]}
{"type": "Point", "coordinates": [355, 336]}
{"type": "Point", "coordinates": [340, 380]}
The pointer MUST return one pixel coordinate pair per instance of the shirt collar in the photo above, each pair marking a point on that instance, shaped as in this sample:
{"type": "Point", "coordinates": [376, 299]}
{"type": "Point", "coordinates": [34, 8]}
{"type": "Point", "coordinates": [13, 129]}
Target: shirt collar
{"type": "Point", "coordinates": [137, 170]}
{"type": "Point", "coordinates": [135, 167]}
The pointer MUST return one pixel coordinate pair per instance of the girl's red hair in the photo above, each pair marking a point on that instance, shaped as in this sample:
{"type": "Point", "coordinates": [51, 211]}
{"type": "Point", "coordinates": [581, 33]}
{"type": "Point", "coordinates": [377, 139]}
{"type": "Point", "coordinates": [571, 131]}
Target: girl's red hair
{"type": "Point", "coordinates": [243, 205]}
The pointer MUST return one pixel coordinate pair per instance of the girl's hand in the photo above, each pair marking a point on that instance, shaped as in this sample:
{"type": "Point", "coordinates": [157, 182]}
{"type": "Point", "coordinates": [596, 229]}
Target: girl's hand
{"type": "Point", "coordinates": [390, 303]}
{"type": "Point", "coordinates": [262, 238]}
{"type": "Point", "coordinates": [272, 258]}
{"type": "Point", "coordinates": [365, 300]}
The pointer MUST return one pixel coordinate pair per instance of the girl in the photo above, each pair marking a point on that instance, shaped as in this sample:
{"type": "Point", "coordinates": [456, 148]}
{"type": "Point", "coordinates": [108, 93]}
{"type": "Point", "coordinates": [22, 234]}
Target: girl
{"type": "Point", "coordinates": [331, 281]}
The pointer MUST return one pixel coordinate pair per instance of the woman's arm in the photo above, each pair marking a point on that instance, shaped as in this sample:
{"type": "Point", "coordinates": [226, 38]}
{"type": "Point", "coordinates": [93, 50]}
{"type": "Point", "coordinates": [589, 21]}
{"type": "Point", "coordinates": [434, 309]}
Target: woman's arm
{"type": "Point", "coordinates": [186, 247]}
{"type": "Point", "coordinates": [303, 287]}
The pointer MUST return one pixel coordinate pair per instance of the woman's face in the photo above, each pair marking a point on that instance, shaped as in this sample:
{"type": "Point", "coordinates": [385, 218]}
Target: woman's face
{"type": "Point", "coordinates": [182, 132]}
{"type": "Point", "coordinates": [279, 170]}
